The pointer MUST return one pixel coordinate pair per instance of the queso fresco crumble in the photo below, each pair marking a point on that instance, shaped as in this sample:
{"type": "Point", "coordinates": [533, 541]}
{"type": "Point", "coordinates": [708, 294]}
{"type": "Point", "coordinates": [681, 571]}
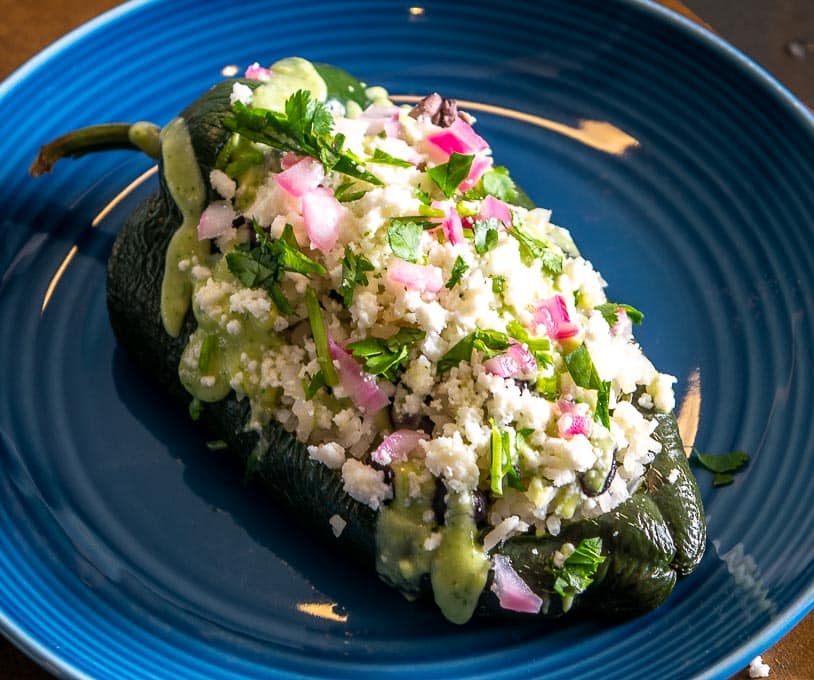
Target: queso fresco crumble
{"type": "Point", "coordinates": [405, 304]}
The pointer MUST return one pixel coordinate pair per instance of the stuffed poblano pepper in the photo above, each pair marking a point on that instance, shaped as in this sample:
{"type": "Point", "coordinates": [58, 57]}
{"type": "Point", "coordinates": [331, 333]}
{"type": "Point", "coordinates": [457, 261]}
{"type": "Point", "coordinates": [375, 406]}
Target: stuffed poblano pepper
{"type": "Point", "coordinates": [411, 357]}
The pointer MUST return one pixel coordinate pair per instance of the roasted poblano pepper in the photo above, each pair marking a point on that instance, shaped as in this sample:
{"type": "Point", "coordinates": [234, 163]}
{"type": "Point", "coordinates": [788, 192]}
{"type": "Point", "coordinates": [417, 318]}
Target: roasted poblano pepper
{"type": "Point", "coordinates": [647, 542]}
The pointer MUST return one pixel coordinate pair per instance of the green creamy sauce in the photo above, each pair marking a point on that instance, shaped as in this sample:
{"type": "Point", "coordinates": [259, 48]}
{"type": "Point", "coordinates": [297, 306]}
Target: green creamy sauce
{"type": "Point", "coordinates": [214, 359]}
{"type": "Point", "coordinates": [458, 567]}
{"type": "Point", "coordinates": [183, 179]}
{"type": "Point", "coordinates": [288, 76]}
{"type": "Point", "coordinates": [182, 176]}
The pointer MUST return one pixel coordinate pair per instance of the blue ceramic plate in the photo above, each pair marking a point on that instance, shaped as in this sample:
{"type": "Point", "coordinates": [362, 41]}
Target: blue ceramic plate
{"type": "Point", "coordinates": [685, 173]}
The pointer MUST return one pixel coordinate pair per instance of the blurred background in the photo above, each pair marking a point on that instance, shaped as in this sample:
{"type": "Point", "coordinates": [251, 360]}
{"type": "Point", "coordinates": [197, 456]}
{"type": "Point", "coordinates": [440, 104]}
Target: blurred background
{"type": "Point", "coordinates": [777, 34]}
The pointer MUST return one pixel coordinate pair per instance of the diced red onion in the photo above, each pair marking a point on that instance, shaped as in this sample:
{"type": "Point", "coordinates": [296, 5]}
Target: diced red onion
{"type": "Point", "coordinates": [382, 118]}
{"type": "Point", "coordinates": [513, 592]}
{"type": "Point", "coordinates": [623, 325]}
{"type": "Point", "coordinates": [459, 138]}
{"type": "Point", "coordinates": [571, 424]}
{"type": "Point", "coordinates": [321, 213]}
{"type": "Point", "coordinates": [301, 177]}
{"type": "Point", "coordinates": [480, 164]}
{"type": "Point", "coordinates": [257, 72]}
{"type": "Point", "coordinates": [553, 314]}
{"type": "Point", "coordinates": [494, 207]}
{"type": "Point", "coordinates": [451, 222]}
{"type": "Point", "coordinates": [515, 362]}
{"type": "Point", "coordinates": [425, 278]}
{"type": "Point", "coordinates": [397, 446]}
{"type": "Point", "coordinates": [215, 220]}
{"type": "Point", "coordinates": [289, 159]}
{"type": "Point", "coordinates": [361, 387]}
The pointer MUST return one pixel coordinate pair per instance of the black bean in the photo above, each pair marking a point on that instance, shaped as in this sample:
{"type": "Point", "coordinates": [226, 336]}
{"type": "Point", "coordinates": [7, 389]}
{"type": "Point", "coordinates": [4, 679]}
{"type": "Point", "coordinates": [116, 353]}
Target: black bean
{"type": "Point", "coordinates": [479, 505]}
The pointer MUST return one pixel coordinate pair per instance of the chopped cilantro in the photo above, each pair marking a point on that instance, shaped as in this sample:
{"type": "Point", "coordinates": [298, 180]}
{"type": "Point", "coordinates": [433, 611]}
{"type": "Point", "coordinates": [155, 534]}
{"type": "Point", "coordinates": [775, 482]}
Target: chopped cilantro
{"type": "Point", "coordinates": [537, 346]}
{"type": "Point", "coordinates": [387, 357]}
{"type": "Point", "coordinates": [610, 309]}
{"type": "Point", "coordinates": [722, 464]}
{"type": "Point", "coordinates": [583, 371]}
{"type": "Point", "coordinates": [380, 156]}
{"type": "Point", "coordinates": [423, 196]}
{"type": "Point", "coordinates": [489, 343]}
{"type": "Point", "coordinates": [549, 387]}
{"type": "Point", "coordinates": [494, 182]}
{"type": "Point", "coordinates": [579, 569]}
{"type": "Point", "coordinates": [315, 385]}
{"type": "Point", "coordinates": [497, 183]}
{"type": "Point", "coordinates": [501, 465]}
{"type": "Point", "coordinates": [449, 175]}
{"type": "Point", "coordinates": [320, 335]}
{"type": "Point", "coordinates": [263, 266]}
{"type": "Point", "coordinates": [353, 274]}
{"type": "Point", "coordinates": [195, 408]}
{"type": "Point", "coordinates": [532, 248]}
{"type": "Point", "coordinates": [486, 234]}
{"type": "Point", "coordinates": [348, 191]}
{"type": "Point", "coordinates": [304, 127]}
{"type": "Point", "coordinates": [404, 237]}
{"type": "Point", "coordinates": [458, 269]}
{"type": "Point", "coordinates": [498, 285]}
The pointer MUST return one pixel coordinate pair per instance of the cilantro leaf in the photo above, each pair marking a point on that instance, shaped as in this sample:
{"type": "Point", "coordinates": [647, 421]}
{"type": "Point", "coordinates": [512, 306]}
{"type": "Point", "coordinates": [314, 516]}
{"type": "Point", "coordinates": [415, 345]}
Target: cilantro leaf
{"type": "Point", "coordinates": [353, 274]}
{"type": "Point", "coordinates": [423, 196]}
{"type": "Point", "coordinates": [195, 408]}
{"type": "Point", "coordinates": [497, 183]}
{"type": "Point", "coordinates": [532, 248]}
{"type": "Point", "coordinates": [579, 569]}
{"type": "Point", "coordinates": [315, 385]}
{"type": "Point", "coordinates": [404, 238]}
{"type": "Point", "coordinates": [389, 357]}
{"type": "Point", "coordinates": [264, 265]}
{"type": "Point", "coordinates": [584, 373]}
{"type": "Point", "coordinates": [305, 127]}
{"type": "Point", "coordinates": [498, 285]}
{"type": "Point", "coordinates": [345, 192]}
{"type": "Point", "coordinates": [448, 176]}
{"type": "Point", "coordinates": [610, 309]}
{"type": "Point", "coordinates": [494, 182]}
{"type": "Point", "coordinates": [380, 156]}
{"type": "Point", "coordinates": [722, 464]}
{"type": "Point", "coordinates": [458, 269]}
{"type": "Point", "coordinates": [488, 342]}
{"type": "Point", "coordinates": [486, 234]}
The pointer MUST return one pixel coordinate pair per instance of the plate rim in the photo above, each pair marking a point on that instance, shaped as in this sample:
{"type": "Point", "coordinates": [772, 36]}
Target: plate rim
{"type": "Point", "coordinates": [739, 657]}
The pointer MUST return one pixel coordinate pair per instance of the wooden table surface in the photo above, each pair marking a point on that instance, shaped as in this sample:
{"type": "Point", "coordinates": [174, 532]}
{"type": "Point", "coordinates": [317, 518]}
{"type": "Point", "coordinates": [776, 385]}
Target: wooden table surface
{"type": "Point", "coordinates": [779, 34]}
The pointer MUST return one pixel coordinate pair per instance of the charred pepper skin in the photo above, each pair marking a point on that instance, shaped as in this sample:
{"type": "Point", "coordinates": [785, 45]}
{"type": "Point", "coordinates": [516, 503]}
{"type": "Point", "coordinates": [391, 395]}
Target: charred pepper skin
{"type": "Point", "coordinates": [649, 540]}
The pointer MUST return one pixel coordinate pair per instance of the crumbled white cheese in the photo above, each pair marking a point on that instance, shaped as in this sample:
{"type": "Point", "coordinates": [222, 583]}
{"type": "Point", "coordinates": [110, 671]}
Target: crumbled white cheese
{"type": "Point", "coordinates": [672, 478]}
{"type": "Point", "coordinates": [365, 484]}
{"type": "Point", "coordinates": [433, 541]}
{"type": "Point", "coordinates": [254, 301]}
{"type": "Point", "coordinates": [332, 455]}
{"type": "Point", "coordinates": [758, 669]}
{"type": "Point", "coordinates": [223, 184]}
{"type": "Point", "coordinates": [337, 525]}
{"type": "Point", "coordinates": [506, 529]}
{"type": "Point", "coordinates": [452, 459]}
{"type": "Point", "coordinates": [240, 93]}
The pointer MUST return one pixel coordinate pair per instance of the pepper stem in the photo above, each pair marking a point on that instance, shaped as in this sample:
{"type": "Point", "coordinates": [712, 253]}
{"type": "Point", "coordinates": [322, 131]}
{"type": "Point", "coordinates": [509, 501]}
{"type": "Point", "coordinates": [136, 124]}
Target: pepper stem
{"type": "Point", "coordinates": [137, 136]}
